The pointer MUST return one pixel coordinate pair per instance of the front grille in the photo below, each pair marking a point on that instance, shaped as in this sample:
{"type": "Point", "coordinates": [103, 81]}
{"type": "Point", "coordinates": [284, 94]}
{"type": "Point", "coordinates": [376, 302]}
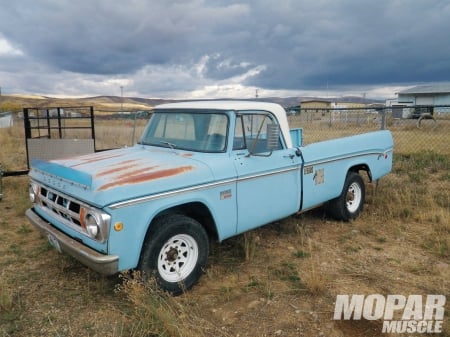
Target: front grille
{"type": "Point", "coordinates": [61, 206]}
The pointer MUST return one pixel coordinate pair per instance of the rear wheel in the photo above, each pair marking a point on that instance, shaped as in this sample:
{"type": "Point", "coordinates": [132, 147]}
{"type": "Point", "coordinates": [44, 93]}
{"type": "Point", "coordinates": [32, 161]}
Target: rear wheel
{"type": "Point", "coordinates": [351, 201]}
{"type": "Point", "coordinates": [175, 252]}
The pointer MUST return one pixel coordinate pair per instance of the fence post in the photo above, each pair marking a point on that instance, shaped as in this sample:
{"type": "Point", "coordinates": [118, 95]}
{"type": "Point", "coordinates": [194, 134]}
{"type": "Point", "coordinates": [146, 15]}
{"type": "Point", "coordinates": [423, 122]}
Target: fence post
{"type": "Point", "coordinates": [58, 111]}
{"type": "Point", "coordinates": [383, 119]}
{"type": "Point", "coordinates": [91, 113]}
{"type": "Point", "coordinates": [1, 174]}
{"type": "Point", "coordinates": [26, 123]}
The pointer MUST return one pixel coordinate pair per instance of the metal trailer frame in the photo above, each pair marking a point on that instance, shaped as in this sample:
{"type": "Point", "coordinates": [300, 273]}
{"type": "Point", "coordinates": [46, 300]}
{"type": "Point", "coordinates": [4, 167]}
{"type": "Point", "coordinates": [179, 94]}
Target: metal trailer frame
{"type": "Point", "coordinates": [45, 135]}
{"type": "Point", "coordinates": [45, 132]}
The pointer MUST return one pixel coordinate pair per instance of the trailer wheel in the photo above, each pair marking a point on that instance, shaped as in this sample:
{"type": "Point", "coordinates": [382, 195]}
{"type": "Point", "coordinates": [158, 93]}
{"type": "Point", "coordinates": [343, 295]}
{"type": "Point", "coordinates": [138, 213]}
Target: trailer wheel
{"type": "Point", "coordinates": [175, 253]}
{"type": "Point", "coordinates": [351, 201]}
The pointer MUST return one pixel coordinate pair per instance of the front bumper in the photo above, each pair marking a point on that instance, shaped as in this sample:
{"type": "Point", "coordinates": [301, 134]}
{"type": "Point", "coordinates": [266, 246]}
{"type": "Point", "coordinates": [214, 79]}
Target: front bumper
{"type": "Point", "coordinates": [103, 264]}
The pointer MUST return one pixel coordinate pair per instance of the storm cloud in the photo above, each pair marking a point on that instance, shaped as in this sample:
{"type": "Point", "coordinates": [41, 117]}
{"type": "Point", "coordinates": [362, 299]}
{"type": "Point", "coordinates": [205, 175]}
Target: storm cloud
{"type": "Point", "coordinates": [220, 48]}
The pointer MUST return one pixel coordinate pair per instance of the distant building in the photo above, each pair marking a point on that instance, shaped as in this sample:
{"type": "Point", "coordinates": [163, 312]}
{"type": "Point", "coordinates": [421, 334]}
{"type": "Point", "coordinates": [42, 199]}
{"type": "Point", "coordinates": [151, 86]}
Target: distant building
{"type": "Point", "coordinates": [346, 105]}
{"type": "Point", "coordinates": [317, 105]}
{"type": "Point", "coordinates": [6, 119]}
{"type": "Point", "coordinates": [431, 95]}
{"type": "Point", "coordinates": [325, 105]}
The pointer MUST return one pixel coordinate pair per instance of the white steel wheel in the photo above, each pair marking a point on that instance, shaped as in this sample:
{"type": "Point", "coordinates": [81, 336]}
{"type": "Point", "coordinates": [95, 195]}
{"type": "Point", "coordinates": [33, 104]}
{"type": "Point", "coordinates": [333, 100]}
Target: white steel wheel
{"type": "Point", "coordinates": [177, 258]}
{"type": "Point", "coordinates": [350, 203]}
{"type": "Point", "coordinates": [354, 197]}
{"type": "Point", "coordinates": [175, 252]}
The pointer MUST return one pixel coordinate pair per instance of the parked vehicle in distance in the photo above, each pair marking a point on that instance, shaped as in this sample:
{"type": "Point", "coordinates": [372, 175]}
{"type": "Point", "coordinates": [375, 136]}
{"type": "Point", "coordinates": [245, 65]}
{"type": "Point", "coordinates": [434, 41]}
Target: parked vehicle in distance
{"type": "Point", "coordinates": [203, 170]}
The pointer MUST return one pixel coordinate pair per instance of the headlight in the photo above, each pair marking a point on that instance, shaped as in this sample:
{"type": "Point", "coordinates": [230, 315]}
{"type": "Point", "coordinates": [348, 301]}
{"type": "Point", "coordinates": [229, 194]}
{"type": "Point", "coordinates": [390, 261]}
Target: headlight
{"type": "Point", "coordinates": [33, 192]}
{"type": "Point", "coordinates": [92, 225]}
{"type": "Point", "coordinates": [95, 223]}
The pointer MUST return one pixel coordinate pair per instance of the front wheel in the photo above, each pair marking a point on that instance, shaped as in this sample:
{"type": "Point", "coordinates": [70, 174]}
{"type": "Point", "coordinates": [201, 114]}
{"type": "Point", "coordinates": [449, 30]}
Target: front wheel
{"type": "Point", "coordinates": [175, 252]}
{"type": "Point", "coordinates": [351, 201]}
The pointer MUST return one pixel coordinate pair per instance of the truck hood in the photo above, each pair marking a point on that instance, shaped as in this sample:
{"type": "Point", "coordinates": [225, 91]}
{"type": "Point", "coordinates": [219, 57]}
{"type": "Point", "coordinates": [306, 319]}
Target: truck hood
{"type": "Point", "coordinates": [112, 176]}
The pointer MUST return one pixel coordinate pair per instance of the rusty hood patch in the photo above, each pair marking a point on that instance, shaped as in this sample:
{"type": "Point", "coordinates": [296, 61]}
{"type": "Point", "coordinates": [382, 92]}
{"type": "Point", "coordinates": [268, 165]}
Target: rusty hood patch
{"type": "Point", "coordinates": [139, 176]}
{"type": "Point", "coordinates": [118, 175]}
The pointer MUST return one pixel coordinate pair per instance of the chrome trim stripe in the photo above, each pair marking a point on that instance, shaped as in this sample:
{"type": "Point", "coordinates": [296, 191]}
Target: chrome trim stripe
{"type": "Point", "coordinates": [265, 174]}
{"type": "Point", "coordinates": [168, 194]}
{"type": "Point", "coordinates": [198, 188]}
{"type": "Point", "coordinates": [228, 181]}
{"type": "Point", "coordinates": [318, 162]}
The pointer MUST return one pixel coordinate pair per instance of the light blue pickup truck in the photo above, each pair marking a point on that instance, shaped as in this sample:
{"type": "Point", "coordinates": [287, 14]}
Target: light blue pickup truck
{"type": "Point", "coordinates": [204, 170]}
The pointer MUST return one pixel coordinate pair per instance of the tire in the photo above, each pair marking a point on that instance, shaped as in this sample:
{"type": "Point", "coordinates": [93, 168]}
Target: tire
{"type": "Point", "coordinates": [175, 253]}
{"type": "Point", "coordinates": [423, 117]}
{"type": "Point", "coordinates": [350, 203]}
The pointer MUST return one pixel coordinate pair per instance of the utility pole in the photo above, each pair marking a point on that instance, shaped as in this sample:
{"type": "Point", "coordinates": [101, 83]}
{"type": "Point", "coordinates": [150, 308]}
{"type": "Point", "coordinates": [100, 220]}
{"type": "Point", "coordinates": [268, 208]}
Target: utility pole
{"type": "Point", "coordinates": [121, 98]}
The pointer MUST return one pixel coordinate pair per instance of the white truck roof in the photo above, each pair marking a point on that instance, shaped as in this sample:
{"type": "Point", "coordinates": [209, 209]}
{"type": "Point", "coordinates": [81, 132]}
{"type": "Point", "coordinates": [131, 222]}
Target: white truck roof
{"type": "Point", "coordinates": [274, 108]}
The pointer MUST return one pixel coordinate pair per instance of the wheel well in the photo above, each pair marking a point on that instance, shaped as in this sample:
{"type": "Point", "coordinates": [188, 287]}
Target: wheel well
{"type": "Point", "coordinates": [361, 167]}
{"type": "Point", "coordinates": [197, 211]}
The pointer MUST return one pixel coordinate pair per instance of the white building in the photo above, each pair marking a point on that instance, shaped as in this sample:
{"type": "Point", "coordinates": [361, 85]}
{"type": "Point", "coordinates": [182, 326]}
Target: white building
{"type": "Point", "coordinates": [431, 95]}
{"type": "Point", "coordinates": [6, 119]}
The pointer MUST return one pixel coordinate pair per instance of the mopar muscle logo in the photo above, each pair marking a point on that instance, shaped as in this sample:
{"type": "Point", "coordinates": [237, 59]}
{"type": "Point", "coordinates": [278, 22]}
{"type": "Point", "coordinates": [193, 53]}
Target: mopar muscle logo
{"type": "Point", "coordinates": [412, 314]}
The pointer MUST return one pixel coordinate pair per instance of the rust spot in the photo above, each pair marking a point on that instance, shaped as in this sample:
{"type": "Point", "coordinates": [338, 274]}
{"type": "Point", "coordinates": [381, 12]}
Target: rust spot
{"type": "Point", "coordinates": [84, 161]}
{"type": "Point", "coordinates": [119, 167]}
{"type": "Point", "coordinates": [142, 176]}
{"type": "Point", "coordinates": [114, 170]}
{"type": "Point", "coordinates": [187, 155]}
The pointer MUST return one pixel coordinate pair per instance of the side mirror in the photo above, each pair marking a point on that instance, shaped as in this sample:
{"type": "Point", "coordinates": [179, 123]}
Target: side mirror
{"type": "Point", "coordinates": [273, 136]}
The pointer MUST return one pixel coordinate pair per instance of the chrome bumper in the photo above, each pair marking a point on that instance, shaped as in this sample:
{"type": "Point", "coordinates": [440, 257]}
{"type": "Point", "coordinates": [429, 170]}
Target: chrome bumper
{"type": "Point", "coordinates": [103, 264]}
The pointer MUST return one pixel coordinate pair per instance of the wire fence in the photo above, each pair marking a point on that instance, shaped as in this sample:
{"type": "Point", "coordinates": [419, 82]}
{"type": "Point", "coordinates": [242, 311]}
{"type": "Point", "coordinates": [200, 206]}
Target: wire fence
{"type": "Point", "coordinates": [414, 129]}
{"type": "Point", "coordinates": [421, 179]}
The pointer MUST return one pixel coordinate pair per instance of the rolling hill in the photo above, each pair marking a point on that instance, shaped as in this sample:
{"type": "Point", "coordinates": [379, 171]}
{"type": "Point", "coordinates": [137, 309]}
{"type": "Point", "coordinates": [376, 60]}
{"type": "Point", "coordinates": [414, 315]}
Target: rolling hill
{"type": "Point", "coordinates": [17, 102]}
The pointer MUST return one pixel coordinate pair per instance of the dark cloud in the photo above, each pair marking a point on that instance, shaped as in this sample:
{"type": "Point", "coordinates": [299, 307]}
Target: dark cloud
{"type": "Point", "coordinates": [288, 44]}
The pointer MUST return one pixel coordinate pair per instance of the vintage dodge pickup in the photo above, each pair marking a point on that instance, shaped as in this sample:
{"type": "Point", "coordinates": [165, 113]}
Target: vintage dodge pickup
{"type": "Point", "coordinates": [203, 170]}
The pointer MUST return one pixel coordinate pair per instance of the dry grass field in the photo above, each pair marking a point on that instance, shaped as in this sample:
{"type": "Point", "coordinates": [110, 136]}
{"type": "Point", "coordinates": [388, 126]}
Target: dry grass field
{"type": "Point", "coordinates": [279, 280]}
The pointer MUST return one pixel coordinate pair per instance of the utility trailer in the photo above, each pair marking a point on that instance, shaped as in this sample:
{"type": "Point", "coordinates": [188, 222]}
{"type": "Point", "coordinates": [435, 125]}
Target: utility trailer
{"type": "Point", "coordinates": [52, 133]}
{"type": "Point", "coordinates": [55, 132]}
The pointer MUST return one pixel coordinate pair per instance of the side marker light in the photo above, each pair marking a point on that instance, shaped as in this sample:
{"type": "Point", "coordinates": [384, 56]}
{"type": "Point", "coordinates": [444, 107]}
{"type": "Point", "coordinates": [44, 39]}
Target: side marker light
{"type": "Point", "coordinates": [118, 226]}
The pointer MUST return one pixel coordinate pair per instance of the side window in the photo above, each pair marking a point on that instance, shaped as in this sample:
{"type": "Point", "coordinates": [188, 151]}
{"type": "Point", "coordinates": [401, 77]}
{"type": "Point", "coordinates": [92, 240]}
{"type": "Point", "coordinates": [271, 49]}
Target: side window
{"type": "Point", "coordinates": [251, 133]}
{"type": "Point", "coordinates": [239, 140]}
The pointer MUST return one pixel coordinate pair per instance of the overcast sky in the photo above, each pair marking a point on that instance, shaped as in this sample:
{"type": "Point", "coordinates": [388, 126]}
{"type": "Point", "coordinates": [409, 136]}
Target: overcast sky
{"type": "Point", "coordinates": [218, 48]}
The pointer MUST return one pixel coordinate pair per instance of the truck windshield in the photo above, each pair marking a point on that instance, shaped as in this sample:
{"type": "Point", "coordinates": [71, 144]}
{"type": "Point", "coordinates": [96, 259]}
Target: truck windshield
{"type": "Point", "coordinates": [192, 131]}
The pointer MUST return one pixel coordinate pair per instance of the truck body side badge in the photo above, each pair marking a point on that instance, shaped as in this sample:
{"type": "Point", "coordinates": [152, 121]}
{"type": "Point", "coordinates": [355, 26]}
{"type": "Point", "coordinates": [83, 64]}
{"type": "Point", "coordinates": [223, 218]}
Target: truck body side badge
{"type": "Point", "coordinates": [225, 195]}
{"type": "Point", "coordinates": [308, 170]}
{"type": "Point", "coordinates": [319, 177]}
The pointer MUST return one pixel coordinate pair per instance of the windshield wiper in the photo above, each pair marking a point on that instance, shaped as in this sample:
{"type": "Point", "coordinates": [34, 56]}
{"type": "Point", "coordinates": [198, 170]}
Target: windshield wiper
{"type": "Point", "coordinates": [171, 145]}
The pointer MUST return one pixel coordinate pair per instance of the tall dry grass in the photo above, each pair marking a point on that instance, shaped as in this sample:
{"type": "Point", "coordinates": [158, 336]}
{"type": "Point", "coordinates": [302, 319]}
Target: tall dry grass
{"type": "Point", "coordinates": [12, 148]}
{"type": "Point", "coordinates": [157, 313]}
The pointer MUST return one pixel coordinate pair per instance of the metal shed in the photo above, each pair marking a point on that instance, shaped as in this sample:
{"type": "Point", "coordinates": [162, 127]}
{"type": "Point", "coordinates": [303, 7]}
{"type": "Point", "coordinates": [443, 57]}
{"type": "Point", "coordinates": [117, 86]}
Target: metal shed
{"type": "Point", "coordinates": [431, 95]}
